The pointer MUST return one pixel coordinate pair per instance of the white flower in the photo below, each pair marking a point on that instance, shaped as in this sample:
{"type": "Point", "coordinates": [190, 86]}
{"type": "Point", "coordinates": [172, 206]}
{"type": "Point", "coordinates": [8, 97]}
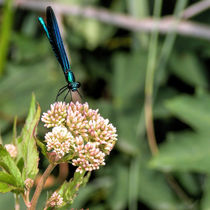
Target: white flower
{"type": "Point", "coordinates": [12, 149]}
{"type": "Point", "coordinates": [55, 200]}
{"type": "Point", "coordinates": [81, 131]}
{"type": "Point", "coordinates": [59, 141]}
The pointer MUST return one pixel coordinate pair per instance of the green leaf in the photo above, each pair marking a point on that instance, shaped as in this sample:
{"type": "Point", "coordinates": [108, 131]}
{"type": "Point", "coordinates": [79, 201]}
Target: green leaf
{"type": "Point", "coordinates": [4, 188]}
{"type": "Point", "coordinates": [24, 42]}
{"type": "Point", "coordinates": [42, 146]}
{"type": "Point", "coordinates": [66, 158]}
{"type": "Point", "coordinates": [205, 202]}
{"type": "Point", "coordinates": [188, 68]}
{"type": "Point", "coordinates": [194, 111]}
{"type": "Point", "coordinates": [7, 178]}
{"type": "Point", "coordinates": [6, 32]}
{"type": "Point", "coordinates": [8, 164]}
{"type": "Point", "coordinates": [128, 77]}
{"type": "Point", "coordinates": [31, 114]}
{"type": "Point", "coordinates": [93, 31]}
{"type": "Point", "coordinates": [7, 182]}
{"type": "Point", "coordinates": [153, 189]}
{"type": "Point", "coordinates": [155, 192]}
{"type": "Point", "coordinates": [185, 151]}
{"type": "Point", "coordinates": [160, 110]}
{"type": "Point", "coordinates": [127, 124]}
{"type": "Point", "coordinates": [27, 144]}
{"type": "Point", "coordinates": [90, 191]}
{"type": "Point", "coordinates": [14, 137]}
{"type": "Point", "coordinates": [69, 189]}
{"type": "Point", "coordinates": [188, 181]}
{"type": "Point", "coordinates": [86, 179]}
{"type": "Point", "coordinates": [13, 100]}
{"type": "Point", "coordinates": [118, 196]}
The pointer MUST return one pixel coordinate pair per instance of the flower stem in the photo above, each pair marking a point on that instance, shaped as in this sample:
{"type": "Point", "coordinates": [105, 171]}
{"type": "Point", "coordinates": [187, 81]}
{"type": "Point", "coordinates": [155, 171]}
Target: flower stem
{"type": "Point", "coordinates": [26, 198]}
{"type": "Point", "coordinates": [40, 186]}
{"type": "Point", "coordinates": [149, 83]}
{"type": "Point", "coordinates": [17, 204]}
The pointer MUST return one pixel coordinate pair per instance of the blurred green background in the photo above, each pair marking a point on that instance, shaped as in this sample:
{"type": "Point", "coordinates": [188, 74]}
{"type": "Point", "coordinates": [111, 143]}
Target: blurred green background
{"type": "Point", "coordinates": [111, 63]}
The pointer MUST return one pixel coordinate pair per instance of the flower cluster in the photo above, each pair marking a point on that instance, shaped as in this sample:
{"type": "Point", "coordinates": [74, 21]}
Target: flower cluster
{"type": "Point", "coordinates": [56, 116]}
{"type": "Point", "coordinates": [55, 200]}
{"type": "Point", "coordinates": [80, 131]}
{"type": "Point", "coordinates": [29, 183]}
{"type": "Point", "coordinates": [12, 149]}
{"type": "Point", "coordinates": [59, 140]}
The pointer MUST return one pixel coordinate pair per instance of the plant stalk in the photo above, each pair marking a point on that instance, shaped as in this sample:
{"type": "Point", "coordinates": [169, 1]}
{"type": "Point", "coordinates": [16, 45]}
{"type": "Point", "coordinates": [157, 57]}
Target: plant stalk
{"type": "Point", "coordinates": [41, 185]}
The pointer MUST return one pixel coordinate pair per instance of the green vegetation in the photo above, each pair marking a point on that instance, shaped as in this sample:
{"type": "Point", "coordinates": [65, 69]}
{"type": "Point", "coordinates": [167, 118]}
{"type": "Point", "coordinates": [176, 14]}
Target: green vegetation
{"type": "Point", "coordinates": [130, 75]}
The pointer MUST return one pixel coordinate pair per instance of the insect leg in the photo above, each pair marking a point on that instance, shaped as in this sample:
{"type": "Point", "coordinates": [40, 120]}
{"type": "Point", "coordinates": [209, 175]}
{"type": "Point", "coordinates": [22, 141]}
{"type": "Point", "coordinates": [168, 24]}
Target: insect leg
{"type": "Point", "coordinates": [62, 88]}
{"type": "Point", "coordinates": [61, 91]}
{"type": "Point", "coordinates": [71, 95]}
{"type": "Point", "coordinates": [66, 95]}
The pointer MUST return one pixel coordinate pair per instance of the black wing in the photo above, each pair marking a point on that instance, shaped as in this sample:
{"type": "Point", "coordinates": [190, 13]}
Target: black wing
{"type": "Point", "coordinates": [56, 40]}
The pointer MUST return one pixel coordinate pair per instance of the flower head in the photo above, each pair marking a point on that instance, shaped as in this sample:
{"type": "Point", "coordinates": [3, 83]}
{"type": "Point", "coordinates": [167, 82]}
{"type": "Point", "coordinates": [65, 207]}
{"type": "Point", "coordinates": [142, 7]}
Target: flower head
{"type": "Point", "coordinates": [55, 200]}
{"type": "Point", "coordinates": [29, 183]}
{"type": "Point", "coordinates": [56, 116]}
{"type": "Point", "coordinates": [12, 149]}
{"type": "Point", "coordinates": [91, 126]}
{"type": "Point", "coordinates": [59, 141]}
{"type": "Point", "coordinates": [81, 131]}
{"type": "Point", "coordinates": [89, 157]}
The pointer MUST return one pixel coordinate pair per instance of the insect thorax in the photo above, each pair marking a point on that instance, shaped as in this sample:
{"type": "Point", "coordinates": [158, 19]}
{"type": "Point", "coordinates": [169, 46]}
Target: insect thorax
{"type": "Point", "coordinates": [71, 77]}
{"type": "Point", "coordinates": [74, 86]}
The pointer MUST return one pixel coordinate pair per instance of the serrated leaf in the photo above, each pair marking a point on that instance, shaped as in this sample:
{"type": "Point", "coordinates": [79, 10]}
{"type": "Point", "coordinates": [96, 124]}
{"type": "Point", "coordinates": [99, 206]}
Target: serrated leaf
{"type": "Point", "coordinates": [68, 190]}
{"type": "Point", "coordinates": [27, 144]}
{"type": "Point", "coordinates": [8, 164]}
{"type": "Point", "coordinates": [31, 114]}
{"type": "Point", "coordinates": [86, 179]}
{"type": "Point", "coordinates": [192, 110]}
{"type": "Point", "coordinates": [185, 151]}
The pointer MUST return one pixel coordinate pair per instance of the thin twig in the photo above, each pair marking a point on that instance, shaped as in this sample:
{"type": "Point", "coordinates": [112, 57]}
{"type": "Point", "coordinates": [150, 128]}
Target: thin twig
{"type": "Point", "coordinates": [196, 9]}
{"type": "Point", "coordinates": [164, 25]}
{"type": "Point", "coordinates": [40, 186]}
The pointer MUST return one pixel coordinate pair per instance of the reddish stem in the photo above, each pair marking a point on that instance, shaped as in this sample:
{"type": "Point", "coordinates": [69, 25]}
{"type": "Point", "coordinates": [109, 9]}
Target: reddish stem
{"type": "Point", "coordinates": [40, 186]}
